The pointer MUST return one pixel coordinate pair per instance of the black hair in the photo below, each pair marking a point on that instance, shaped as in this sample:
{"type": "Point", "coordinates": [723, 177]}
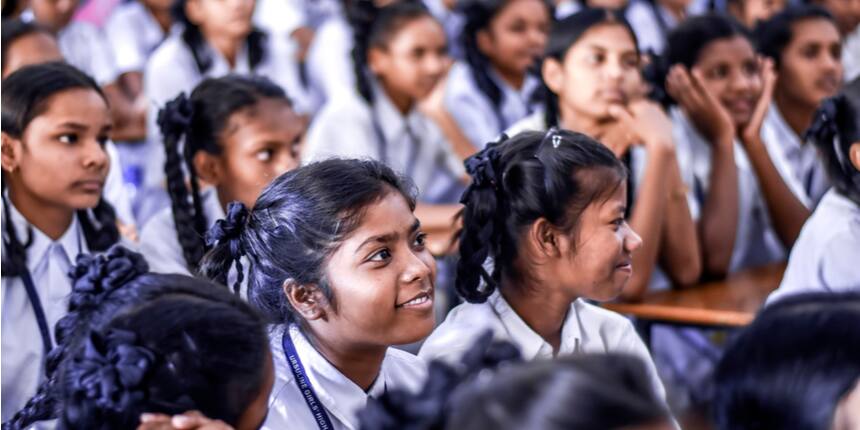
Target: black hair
{"type": "Point", "coordinates": [515, 182]}
{"type": "Point", "coordinates": [496, 390]}
{"type": "Point", "coordinates": [373, 27]}
{"type": "Point", "coordinates": [792, 365]}
{"type": "Point", "coordinates": [835, 128]}
{"type": "Point", "coordinates": [13, 29]}
{"type": "Point", "coordinates": [189, 125]}
{"type": "Point", "coordinates": [298, 221]}
{"type": "Point", "coordinates": [773, 35]}
{"type": "Point", "coordinates": [193, 37]}
{"type": "Point", "coordinates": [478, 14]}
{"type": "Point", "coordinates": [26, 93]}
{"type": "Point", "coordinates": [565, 33]}
{"type": "Point", "coordinates": [684, 46]}
{"type": "Point", "coordinates": [185, 359]}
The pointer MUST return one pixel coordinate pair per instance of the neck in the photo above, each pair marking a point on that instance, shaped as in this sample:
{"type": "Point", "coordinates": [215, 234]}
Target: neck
{"type": "Point", "coordinates": [797, 115]}
{"type": "Point", "coordinates": [572, 120]}
{"type": "Point", "coordinates": [162, 17]}
{"type": "Point", "coordinates": [227, 46]}
{"type": "Point", "coordinates": [512, 78]}
{"type": "Point", "coordinates": [542, 310]}
{"type": "Point", "coordinates": [402, 102]}
{"type": "Point", "coordinates": [360, 363]}
{"type": "Point", "coordinates": [51, 220]}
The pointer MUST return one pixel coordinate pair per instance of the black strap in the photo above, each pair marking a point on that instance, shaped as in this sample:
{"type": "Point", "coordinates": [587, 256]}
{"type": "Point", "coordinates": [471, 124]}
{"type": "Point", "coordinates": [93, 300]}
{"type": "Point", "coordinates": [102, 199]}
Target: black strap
{"type": "Point", "coordinates": [38, 311]}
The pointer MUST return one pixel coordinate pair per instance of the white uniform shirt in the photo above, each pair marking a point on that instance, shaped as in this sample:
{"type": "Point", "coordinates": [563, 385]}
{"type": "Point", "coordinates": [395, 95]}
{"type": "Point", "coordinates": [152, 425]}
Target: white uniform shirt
{"type": "Point", "coordinates": [114, 188]}
{"type": "Point", "coordinates": [171, 69]}
{"type": "Point", "coordinates": [341, 397]}
{"type": "Point", "coordinates": [825, 256]}
{"type": "Point", "coordinates": [159, 242]}
{"type": "Point", "coordinates": [756, 242]}
{"type": "Point", "coordinates": [796, 161]}
{"type": "Point", "coordinates": [22, 351]}
{"type": "Point", "coordinates": [329, 60]}
{"type": "Point", "coordinates": [651, 30]}
{"type": "Point", "coordinates": [133, 34]}
{"type": "Point", "coordinates": [413, 144]}
{"type": "Point", "coordinates": [85, 47]}
{"type": "Point", "coordinates": [587, 329]}
{"type": "Point", "coordinates": [851, 55]}
{"type": "Point", "coordinates": [638, 160]}
{"type": "Point", "coordinates": [475, 113]}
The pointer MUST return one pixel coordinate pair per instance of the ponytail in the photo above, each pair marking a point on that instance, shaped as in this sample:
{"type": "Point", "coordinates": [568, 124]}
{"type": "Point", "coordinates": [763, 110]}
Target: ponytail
{"type": "Point", "coordinates": [228, 232]}
{"type": "Point", "coordinates": [835, 128]}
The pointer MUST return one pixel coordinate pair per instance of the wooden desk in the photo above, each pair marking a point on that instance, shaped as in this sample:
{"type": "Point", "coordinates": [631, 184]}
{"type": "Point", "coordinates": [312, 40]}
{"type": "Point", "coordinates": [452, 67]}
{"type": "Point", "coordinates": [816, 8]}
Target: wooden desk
{"type": "Point", "coordinates": [732, 302]}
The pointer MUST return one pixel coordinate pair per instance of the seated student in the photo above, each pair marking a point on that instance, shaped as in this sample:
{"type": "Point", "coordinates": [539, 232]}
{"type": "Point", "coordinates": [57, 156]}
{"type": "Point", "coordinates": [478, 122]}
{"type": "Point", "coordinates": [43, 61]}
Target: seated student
{"type": "Point", "coordinates": [115, 366]}
{"type": "Point", "coordinates": [212, 41]}
{"type": "Point", "coordinates": [846, 14]}
{"type": "Point", "coordinates": [338, 260]}
{"type": "Point", "coordinates": [28, 43]}
{"type": "Point", "coordinates": [591, 70]}
{"type": "Point", "coordinates": [652, 20]}
{"type": "Point", "coordinates": [715, 82]}
{"type": "Point", "coordinates": [400, 57]}
{"type": "Point", "coordinates": [750, 12]}
{"type": "Point", "coordinates": [825, 255]}
{"type": "Point", "coordinates": [548, 209]}
{"type": "Point", "coordinates": [84, 46]}
{"type": "Point", "coordinates": [237, 134]}
{"type": "Point", "coordinates": [55, 125]}
{"type": "Point", "coordinates": [804, 43]}
{"type": "Point", "coordinates": [490, 388]}
{"type": "Point", "coordinates": [797, 366]}
{"type": "Point", "coordinates": [493, 87]}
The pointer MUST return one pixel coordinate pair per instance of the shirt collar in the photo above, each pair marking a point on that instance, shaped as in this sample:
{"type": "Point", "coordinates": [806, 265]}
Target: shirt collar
{"type": "Point", "coordinates": [71, 242]}
{"type": "Point", "coordinates": [530, 84]}
{"type": "Point", "coordinates": [220, 66]}
{"type": "Point", "coordinates": [340, 396]}
{"type": "Point", "coordinates": [787, 136]}
{"type": "Point", "coordinates": [531, 344]}
{"type": "Point", "coordinates": [391, 121]}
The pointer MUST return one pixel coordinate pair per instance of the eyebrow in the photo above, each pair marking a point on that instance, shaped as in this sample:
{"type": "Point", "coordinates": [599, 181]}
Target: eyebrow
{"type": "Point", "coordinates": [388, 237]}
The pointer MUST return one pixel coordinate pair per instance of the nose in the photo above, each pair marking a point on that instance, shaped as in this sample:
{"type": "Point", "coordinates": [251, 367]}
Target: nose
{"type": "Point", "coordinates": [417, 269]}
{"type": "Point", "coordinates": [435, 63]}
{"type": "Point", "coordinates": [632, 241]}
{"type": "Point", "coordinates": [614, 70]}
{"type": "Point", "coordinates": [743, 82]}
{"type": "Point", "coordinates": [537, 38]}
{"type": "Point", "coordinates": [95, 157]}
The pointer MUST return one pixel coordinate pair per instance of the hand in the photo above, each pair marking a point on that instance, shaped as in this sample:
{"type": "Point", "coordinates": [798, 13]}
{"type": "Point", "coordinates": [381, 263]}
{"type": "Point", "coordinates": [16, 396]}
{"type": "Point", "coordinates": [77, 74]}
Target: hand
{"type": "Point", "coordinates": [752, 131]}
{"type": "Point", "coordinates": [617, 136]}
{"type": "Point", "coordinates": [191, 420]}
{"type": "Point", "coordinates": [703, 108]}
{"type": "Point", "coordinates": [649, 123]}
{"type": "Point", "coordinates": [434, 101]}
{"type": "Point", "coordinates": [303, 36]}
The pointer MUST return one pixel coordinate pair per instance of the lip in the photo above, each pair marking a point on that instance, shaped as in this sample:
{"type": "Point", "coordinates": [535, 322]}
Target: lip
{"type": "Point", "coordinates": [625, 266]}
{"type": "Point", "coordinates": [614, 96]}
{"type": "Point", "coordinates": [828, 84]}
{"type": "Point", "coordinates": [89, 185]}
{"type": "Point", "coordinates": [421, 300]}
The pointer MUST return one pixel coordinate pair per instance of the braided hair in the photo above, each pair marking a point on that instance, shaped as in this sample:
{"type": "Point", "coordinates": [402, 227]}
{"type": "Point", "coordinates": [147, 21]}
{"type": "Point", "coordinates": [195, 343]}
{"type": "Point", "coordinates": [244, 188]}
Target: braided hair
{"type": "Point", "coordinates": [516, 181]}
{"type": "Point", "coordinates": [478, 16]}
{"type": "Point", "coordinates": [196, 42]}
{"type": "Point", "coordinates": [373, 27]}
{"type": "Point", "coordinates": [197, 123]}
{"type": "Point", "coordinates": [113, 361]}
{"type": "Point", "coordinates": [564, 34]}
{"type": "Point", "coordinates": [26, 93]}
{"type": "Point", "coordinates": [298, 221]}
{"type": "Point", "coordinates": [835, 128]}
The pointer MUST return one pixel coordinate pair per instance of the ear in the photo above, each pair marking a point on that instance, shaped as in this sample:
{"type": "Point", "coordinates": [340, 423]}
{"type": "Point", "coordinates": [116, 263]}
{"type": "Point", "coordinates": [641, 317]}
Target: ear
{"type": "Point", "coordinates": [377, 60]}
{"type": "Point", "coordinates": [546, 239]}
{"type": "Point", "coordinates": [193, 11]}
{"type": "Point", "coordinates": [307, 300]}
{"type": "Point", "coordinates": [853, 155]}
{"type": "Point", "coordinates": [484, 41]}
{"type": "Point", "coordinates": [553, 74]}
{"type": "Point", "coordinates": [10, 149]}
{"type": "Point", "coordinates": [208, 167]}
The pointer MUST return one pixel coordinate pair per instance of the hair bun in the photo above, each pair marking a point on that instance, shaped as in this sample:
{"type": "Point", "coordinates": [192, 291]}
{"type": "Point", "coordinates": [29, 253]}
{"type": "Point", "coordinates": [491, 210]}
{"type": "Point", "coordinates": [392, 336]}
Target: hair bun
{"type": "Point", "coordinates": [112, 369]}
{"type": "Point", "coordinates": [483, 166]}
{"type": "Point", "coordinates": [95, 275]}
{"type": "Point", "coordinates": [230, 228]}
{"type": "Point", "coordinates": [175, 117]}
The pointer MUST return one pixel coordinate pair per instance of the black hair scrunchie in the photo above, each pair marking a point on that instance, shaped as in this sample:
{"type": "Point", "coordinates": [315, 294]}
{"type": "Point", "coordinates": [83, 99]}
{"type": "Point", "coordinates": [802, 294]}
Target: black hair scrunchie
{"type": "Point", "coordinates": [175, 117]}
{"type": "Point", "coordinates": [94, 276]}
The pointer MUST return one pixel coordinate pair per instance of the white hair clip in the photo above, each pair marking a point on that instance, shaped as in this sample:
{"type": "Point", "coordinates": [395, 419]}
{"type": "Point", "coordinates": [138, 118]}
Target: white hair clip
{"type": "Point", "coordinates": [556, 140]}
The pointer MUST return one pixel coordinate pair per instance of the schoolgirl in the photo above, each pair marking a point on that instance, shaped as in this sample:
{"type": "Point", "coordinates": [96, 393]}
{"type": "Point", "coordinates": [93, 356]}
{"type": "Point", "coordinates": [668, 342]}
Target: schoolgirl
{"type": "Point", "coordinates": [134, 30]}
{"type": "Point", "coordinates": [234, 134]}
{"type": "Point", "coordinates": [714, 82]}
{"type": "Point", "coordinates": [805, 46]}
{"type": "Point", "coordinates": [213, 40]}
{"type": "Point", "coordinates": [495, 86]}
{"type": "Point", "coordinates": [548, 210]}
{"type": "Point", "coordinates": [399, 56]}
{"type": "Point", "coordinates": [591, 70]}
{"type": "Point", "coordinates": [55, 125]}
{"type": "Point", "coordinates": [115, 366]}
{"type": "Point", "coordinates": [823, 259]}
{"type": "Point", "coordinates": [337, 260]}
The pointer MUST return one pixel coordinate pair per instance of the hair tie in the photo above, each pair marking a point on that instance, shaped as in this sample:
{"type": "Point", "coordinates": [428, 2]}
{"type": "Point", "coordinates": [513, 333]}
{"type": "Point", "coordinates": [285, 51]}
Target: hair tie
{"type": "Point", "coordinates": [175, 117]}
{"type": "Point", "coordinates": [483, 167]}
{"type": "Point", "coordinates": [824, 128]}
{"type": "Point", "coordinates": [230, 230]}
{"type": "Point", "coordinates": [94, 276]}
{"type": "Point", "coordinates": [112, 370]}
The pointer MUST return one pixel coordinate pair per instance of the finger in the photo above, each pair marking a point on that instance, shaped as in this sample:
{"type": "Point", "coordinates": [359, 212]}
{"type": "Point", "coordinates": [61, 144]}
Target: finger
{"type": "Point", "coordinates": [689, 91]}
{"type": "Point", "coordinates": [189, 420]}
{"type": "Point", "coordinates": [150, 417]}
{"type": "Point", "coordinates": [698, 80]}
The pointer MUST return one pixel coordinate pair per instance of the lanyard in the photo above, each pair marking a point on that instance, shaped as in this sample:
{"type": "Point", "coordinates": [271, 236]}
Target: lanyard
{"type": "Point", "coordinates": [38, 310]}
{"type": "Point", "coordinates": [317, 409]}
{"type": "Point", "coordinates": [383, 145]}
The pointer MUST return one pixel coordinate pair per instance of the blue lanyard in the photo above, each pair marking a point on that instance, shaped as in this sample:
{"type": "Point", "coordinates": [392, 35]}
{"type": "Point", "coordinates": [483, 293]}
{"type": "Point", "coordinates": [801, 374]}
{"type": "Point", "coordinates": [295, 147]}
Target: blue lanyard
{"type": "Point", "coordinates": [317, 409]}
{"type": "Point", "coordinates": [38, 310]}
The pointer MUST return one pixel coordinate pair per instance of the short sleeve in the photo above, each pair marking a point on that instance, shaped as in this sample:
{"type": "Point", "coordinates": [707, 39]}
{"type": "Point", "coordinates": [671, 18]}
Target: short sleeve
{"type": "Point", "coordinates": [119, 32]}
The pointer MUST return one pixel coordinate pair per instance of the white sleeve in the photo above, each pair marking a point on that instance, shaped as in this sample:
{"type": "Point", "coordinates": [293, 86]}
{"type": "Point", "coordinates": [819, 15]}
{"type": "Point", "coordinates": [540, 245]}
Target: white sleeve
{"type": "Point", "coordinates": [470, 109]}
{"type": "Point", "coordinates": [631, 343]}
{"type": "Point", "coordinates": [103, 65]}
{"type": "Point", "coordinates": [123, 43]}
{"type": "Point", "coordinates": [340, 130]}
{"type": "Point", "coordinates": [114, 189]}
{"type": "Point", "coordinates": [160, 246]}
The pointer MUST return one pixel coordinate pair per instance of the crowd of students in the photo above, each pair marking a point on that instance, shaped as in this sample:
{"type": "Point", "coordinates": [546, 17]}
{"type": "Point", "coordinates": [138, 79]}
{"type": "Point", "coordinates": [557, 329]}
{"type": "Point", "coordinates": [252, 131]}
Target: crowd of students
{"type": "Point", "coordinates": [235, 213]}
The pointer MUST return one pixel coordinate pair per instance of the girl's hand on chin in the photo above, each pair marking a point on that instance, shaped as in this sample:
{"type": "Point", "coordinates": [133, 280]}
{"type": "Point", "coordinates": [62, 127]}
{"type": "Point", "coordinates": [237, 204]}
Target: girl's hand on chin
{"type": "Point", "coordinates": [191, 420]}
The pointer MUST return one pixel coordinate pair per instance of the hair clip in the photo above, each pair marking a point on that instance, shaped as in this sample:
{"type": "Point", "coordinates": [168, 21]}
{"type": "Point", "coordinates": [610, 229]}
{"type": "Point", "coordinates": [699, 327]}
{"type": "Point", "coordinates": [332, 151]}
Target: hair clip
{"type": "Point", "coordinates": [556, 140]}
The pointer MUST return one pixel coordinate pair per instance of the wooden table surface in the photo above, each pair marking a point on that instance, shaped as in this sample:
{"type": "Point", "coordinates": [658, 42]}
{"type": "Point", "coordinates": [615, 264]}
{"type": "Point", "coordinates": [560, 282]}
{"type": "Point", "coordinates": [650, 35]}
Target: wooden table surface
{"type": "Point", "coordinates": [732, 302]}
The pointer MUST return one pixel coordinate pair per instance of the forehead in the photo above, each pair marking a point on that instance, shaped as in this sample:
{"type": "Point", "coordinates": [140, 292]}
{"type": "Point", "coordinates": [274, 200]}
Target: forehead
{"type": "Point", "coordinates": [730, 48]}
{"type": "Point", "coordinates": [265, 115]}
{"type": "Point", "coordinates": [813, 30]}
{"type": "Point", "coordinates": [77, 105]}
{"type": "Point", "coordinates": [422, 30]}
{"type": "Point", "coordinates": [391, 213]}
{"type": "Point", "coordinates": [609, 36]}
